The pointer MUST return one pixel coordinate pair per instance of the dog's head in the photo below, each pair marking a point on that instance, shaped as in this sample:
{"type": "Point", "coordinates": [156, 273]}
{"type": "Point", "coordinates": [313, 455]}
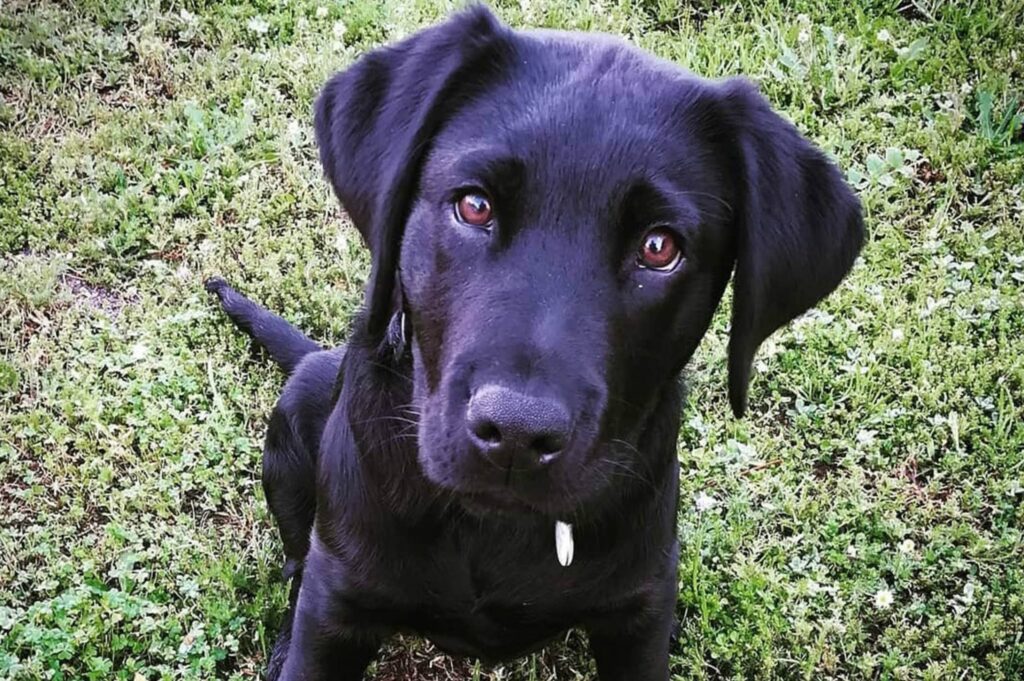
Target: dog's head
{"type": "Point", "coordinates": [558, 216]}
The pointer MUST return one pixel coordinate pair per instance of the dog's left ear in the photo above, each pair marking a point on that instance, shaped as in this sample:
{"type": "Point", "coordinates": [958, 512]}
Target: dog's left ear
{"type": "Point", "coordinates": [799, 227]}
{"type": "Point", "coordinates": [375, 121]}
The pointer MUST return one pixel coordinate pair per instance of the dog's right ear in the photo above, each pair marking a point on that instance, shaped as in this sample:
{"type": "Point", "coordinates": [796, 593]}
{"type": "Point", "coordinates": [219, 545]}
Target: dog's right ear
{"type": "Point", "coordinates": [375, 121]}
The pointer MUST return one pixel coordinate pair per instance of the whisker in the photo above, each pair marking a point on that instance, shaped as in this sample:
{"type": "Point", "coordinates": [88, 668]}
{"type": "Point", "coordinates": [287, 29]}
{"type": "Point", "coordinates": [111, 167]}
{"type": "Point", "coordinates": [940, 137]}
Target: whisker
{"type": "Point", "coordinates": [377, 419]}
{"type": "Point", "coordinates": [630, 471]}
{"type": "Point", "coordinates": [389, 369]}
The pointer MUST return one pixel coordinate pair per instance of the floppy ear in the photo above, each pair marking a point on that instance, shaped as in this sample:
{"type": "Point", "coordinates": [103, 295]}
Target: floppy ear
{"type": "Point", "coordinates": [374, 123]}
{"type": "Point", "coordinates": [799, 228]}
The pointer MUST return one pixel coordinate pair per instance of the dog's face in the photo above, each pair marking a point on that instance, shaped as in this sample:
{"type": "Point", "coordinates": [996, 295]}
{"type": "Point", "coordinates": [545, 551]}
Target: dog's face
{"type": "Point", "coordinates": [559, 268]}
{"type": "Point", "coordinates": [558, 215]}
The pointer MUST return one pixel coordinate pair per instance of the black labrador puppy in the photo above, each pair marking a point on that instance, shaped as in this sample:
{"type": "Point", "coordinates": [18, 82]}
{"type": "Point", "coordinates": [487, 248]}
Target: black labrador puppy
{"type": "Point", "coordinates": [553, 219]}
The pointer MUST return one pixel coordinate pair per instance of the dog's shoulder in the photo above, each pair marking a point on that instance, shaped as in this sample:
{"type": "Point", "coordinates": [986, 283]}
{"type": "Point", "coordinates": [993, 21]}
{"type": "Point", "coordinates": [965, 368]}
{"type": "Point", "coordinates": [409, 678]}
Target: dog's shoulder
{"type": "Point", "coordinates": [311, 385]}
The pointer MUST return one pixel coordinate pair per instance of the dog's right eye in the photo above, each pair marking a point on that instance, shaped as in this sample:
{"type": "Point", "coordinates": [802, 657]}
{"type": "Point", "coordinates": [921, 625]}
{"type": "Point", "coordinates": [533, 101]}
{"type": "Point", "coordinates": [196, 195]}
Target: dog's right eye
{"type": "Point", "coordinates": [474, 208]}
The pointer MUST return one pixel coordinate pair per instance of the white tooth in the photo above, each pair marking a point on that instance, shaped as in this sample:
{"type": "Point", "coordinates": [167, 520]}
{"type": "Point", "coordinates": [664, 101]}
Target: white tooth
{"type": "Point", "coordinates": [563, 543]}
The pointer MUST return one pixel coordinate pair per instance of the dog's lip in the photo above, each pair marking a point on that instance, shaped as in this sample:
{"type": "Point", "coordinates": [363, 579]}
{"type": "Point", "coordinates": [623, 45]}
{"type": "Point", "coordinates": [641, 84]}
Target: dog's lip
{"type": "Point", "coordinates": [490, 502]}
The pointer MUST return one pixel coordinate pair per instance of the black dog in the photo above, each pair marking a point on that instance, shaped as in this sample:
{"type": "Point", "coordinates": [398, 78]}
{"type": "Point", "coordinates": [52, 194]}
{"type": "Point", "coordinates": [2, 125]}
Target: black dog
{"type": "Point", "coordinates": [553, 219]}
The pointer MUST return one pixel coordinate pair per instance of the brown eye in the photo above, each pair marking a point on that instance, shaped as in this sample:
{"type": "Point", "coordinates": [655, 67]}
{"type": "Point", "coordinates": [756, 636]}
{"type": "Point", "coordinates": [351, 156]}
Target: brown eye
{"type": "Point", "coordinates": [659, 250]}
{"type": "Point", "coordinates": [474, 209]}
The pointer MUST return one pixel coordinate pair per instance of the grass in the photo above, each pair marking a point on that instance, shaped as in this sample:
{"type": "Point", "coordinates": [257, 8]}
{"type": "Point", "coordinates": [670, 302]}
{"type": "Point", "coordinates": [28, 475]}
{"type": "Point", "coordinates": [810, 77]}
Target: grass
{"type": "Point", "coordinates": [864, 521]}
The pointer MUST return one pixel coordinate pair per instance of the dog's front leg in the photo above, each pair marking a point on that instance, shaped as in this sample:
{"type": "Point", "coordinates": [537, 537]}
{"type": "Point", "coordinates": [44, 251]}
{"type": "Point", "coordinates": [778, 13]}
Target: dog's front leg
{"type": "Point", "coordinates": [316, 654]}
{"type": "Point", "coordinates": [632, 649]}
{"type": "Point", "coordinates": [322, 648]}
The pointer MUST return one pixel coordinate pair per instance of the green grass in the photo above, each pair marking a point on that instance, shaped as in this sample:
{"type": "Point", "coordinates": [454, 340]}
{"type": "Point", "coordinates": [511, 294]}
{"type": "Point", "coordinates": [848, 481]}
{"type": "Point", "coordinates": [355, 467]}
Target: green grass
{"type": "Point", "coordinates": [146, 144]}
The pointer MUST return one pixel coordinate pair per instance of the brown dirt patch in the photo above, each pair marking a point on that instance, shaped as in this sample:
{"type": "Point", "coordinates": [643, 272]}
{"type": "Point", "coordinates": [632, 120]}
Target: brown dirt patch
{"type": "Point", "coordinates": [422, 663]}
{"type": "Point", "coordinates": [96, 297]}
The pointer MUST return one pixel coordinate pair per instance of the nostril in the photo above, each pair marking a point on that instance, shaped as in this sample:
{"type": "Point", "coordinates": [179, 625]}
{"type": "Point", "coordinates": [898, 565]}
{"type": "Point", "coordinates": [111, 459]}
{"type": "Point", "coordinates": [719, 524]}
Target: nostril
{"type": "Point", "coordinates": [548, 444]}
{"type": "Point", "coordinates": [487, 432]}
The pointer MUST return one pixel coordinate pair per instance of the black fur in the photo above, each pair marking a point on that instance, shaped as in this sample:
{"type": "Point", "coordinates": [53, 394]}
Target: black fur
{"type": "Point", "coordinates": [399, 508]}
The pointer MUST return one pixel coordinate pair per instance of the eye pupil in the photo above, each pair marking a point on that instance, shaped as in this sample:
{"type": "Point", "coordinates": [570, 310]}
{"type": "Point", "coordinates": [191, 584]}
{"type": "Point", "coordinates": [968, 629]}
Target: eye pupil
{"type": "Point", "coordinates": [660, 250]}
{"type": "Point", "coordinates": [474, 209]}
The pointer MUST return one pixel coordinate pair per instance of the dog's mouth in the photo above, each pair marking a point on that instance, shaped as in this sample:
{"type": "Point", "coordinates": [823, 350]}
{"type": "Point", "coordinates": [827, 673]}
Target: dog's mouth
{"type": "Point", "coordinates": [487, 504]}
{"type": "Point", "coordinates": [553, 493]}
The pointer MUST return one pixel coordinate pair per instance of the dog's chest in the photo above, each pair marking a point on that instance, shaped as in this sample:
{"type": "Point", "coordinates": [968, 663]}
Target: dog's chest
{"type": "Point", "coordinates": [490, 615]}
{"type": "Point", "coordinates": [489, 601]}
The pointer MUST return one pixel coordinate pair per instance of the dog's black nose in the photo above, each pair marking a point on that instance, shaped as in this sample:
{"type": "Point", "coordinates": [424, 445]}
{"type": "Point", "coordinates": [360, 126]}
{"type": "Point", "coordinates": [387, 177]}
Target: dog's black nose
{"type": "Point", "coordinates": [514, 430]}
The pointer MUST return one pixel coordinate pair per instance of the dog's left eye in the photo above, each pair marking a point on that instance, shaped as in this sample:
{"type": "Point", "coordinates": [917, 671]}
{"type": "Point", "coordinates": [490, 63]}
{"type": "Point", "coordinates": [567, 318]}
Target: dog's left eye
{"type": "Point", "coordinates": [659, 250]}
{"type": "Point", "coordinates": [474, 208]}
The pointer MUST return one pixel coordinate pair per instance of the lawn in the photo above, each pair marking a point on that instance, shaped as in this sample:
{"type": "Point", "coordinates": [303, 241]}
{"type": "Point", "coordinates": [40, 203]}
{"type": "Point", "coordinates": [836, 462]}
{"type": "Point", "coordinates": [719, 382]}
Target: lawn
{"type": "Point", "coordinates": [865, 520]}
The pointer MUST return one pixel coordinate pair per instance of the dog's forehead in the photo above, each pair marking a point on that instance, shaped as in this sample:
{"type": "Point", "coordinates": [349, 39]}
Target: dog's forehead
{"type": "Point", "coordinates": [597, 77]}
{"type": "Point", "coordinates": [581, 58]}
{"type": "Point", "coordinates": [579, 100]}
